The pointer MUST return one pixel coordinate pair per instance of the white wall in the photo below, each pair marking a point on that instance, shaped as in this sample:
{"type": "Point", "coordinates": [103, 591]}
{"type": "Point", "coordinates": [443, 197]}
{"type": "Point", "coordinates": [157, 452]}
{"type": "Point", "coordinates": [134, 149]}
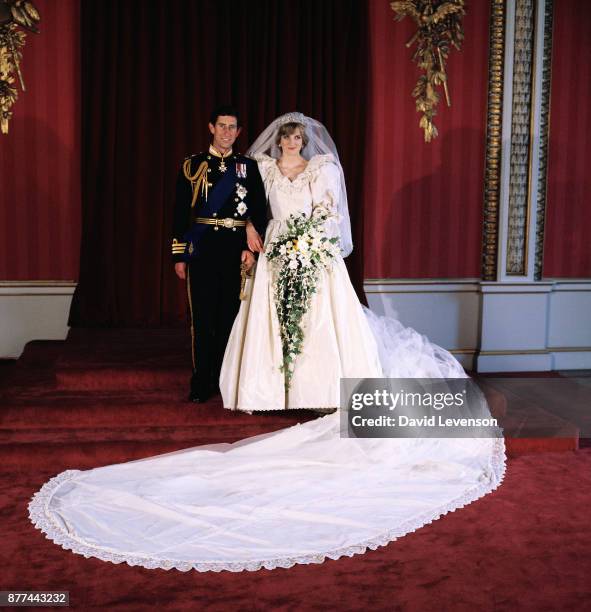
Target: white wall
{"type": "Point", "coordinates": [496, 326]}
{"type": "Point", "coordinates": [32, 311]}
{"type": "Point", "coordinates": [488, 326]}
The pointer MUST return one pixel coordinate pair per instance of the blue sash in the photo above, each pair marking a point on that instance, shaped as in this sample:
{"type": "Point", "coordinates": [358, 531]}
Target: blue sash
{"type": "Point", "coordinates": [216, 198]}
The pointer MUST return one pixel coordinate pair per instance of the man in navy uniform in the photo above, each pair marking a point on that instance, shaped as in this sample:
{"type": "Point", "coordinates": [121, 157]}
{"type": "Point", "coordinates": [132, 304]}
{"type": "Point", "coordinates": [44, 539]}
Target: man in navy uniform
{"type": "Point", "coordinates": [216, 193]}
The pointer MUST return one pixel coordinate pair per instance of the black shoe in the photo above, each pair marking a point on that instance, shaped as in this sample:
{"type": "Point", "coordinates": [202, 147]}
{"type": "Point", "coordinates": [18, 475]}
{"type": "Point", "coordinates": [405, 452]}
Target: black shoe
{"type": "Point", "coordinates": [197, 398]}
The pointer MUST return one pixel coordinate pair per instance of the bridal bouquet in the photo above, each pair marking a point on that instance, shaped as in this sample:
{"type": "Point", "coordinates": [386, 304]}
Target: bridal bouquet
{"type": "Point", "coordinates": [297, 256]}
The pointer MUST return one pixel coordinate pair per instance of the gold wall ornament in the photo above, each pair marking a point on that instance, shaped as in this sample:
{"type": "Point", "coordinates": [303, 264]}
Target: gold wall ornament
{"type": "Point", "coordinates": [14, 14]}
{"type": "Point", "coordinates": [494, 129]}
{"type": "Point", "coordinates": [522, 108]}
{"type": "Point", "coordinates": [439, 26]}
{"type": "Point", "coordinates": [544, 138]}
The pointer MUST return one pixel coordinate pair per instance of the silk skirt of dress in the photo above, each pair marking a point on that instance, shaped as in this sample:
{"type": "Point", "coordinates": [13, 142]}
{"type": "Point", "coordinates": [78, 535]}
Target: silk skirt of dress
{"type": "Point", "coordinates": [338, 343]}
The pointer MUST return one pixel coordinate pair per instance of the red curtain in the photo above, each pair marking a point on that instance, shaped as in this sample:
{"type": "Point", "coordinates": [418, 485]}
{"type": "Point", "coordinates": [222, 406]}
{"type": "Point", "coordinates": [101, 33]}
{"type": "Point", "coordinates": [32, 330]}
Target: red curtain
{"type": "Point", "coordinates": [567, 247]}
{"type": "Point", "coordinates": [424, 200]}
{"type": "Point", "coordinates": [39, 157]}
{"type": "Point", "coordinates": [151, 74]}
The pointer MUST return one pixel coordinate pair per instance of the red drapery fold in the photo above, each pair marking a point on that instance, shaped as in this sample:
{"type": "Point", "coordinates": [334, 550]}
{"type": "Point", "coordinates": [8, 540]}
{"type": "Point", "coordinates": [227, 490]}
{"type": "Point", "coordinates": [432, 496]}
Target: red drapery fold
{"type": "Point", "coordinates": [151, 75]}
{"type": "Point", "coordinates": [424, 200]}
{"type": "Point", "coordinates": [567, 247]}
{"type": "Point", "coordinates": [40, 155]}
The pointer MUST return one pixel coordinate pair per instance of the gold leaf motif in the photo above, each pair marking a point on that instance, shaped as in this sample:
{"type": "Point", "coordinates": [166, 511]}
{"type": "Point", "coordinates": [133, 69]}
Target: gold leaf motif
{"type": "Point", "coordinates": [13, 13]}
{"type": "Point", "coordinates": [439, 25]}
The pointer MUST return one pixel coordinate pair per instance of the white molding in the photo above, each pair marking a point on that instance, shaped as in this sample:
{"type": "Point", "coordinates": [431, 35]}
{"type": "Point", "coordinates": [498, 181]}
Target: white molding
{"type": "Point", "coordinates": [574, 360]}
{"type": "Point", "coordinates": [489, 326]}
{"type": "Point", "coordinates": [33, 310]}
{"type": "Point", "coordinates": [495, 326]}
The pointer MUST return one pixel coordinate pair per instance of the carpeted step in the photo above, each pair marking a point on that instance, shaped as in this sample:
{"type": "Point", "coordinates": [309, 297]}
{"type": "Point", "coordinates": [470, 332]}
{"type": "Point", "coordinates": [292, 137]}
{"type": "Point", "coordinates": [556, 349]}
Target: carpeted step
{"type": "Point", "coordinates": [72, 410]}
{"type": "Point", "coordinates": [497, 402]}
{"type": "Point", "coordinates": [35, 369]}
{"type": "Point", "coordinates": [112, 359]}
{"type": "Point", "coordinates": [533, 430]}
{"type": "Point", "coordinates": [76, 455]}
{"type": "Point", "coordinates": [103, 412]}
{"type": "Point", "coordinates": [23, 457]}
{"type": "Point", "coordinates": [129, 387]}
{"type": "Point", "coordinates": [83, 448]}
{"type": "Point", "coordinates": [122, 377]}
{"type": "Point", "coordinates": [517, 447]}
{"type": "Point", "coordinates": [182, 435]}
{"type": "Point", "coordinates": [530, 421]}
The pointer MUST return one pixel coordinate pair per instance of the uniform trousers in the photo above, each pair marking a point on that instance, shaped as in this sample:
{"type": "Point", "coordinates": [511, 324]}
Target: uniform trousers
{"type": "Point", "coordinates": [214, 290]}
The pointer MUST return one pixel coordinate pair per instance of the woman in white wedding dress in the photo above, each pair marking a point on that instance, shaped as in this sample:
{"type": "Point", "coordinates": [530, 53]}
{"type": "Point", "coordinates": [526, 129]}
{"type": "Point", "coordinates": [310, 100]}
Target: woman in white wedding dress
{"type": "Point", "coordinates": [338, 342]}
{"type": "Point", "coordinates": [301, 494]}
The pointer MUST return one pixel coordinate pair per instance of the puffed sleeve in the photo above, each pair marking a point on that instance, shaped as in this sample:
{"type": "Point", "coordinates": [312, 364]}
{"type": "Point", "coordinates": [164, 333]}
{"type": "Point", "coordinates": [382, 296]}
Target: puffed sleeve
{"type": "Point", "coordinates": [258, 200]}
{"type": "Point", "coordinates": [325, 185]}
{"type": "Point", "coordinates": [266, 165]}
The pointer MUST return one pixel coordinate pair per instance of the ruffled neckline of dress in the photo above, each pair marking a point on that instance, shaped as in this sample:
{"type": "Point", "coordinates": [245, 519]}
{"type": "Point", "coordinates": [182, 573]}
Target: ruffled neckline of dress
{"type": "Point", "coordinates": [272, 176]}
{"type": "Point", "coordinates": [269, 166]}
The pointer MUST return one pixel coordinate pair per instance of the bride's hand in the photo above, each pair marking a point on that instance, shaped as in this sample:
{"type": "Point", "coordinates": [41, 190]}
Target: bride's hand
{"type": "Point", "coordinates": [255, 244]}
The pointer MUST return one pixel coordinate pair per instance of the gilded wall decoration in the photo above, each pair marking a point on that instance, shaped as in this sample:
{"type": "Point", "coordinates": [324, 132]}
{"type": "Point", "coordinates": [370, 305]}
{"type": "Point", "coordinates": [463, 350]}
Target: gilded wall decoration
{"type": "Point", "coordinates": [544, 131]}
{"type": "Point", "coordinates": [439, 27]}
{"type": "Point", "coordinates": [521, 122]}
{"type": "Point", "coordinates": [494, 126]}
{"type": "Point", "coordinates": [14, 14]}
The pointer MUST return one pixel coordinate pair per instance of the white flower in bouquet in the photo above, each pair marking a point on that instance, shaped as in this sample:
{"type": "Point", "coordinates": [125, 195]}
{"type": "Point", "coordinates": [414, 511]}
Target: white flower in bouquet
{"type": "Point", "coordinates": [303, 245]}
{"type": "Point", "coordinates": [297, 256]}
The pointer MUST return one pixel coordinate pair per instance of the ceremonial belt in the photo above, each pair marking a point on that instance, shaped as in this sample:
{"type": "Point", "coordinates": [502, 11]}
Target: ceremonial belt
{"type": "Point", "coordinates": [227, 222]}
{"type": "Point", "coordinates": [217, 197]}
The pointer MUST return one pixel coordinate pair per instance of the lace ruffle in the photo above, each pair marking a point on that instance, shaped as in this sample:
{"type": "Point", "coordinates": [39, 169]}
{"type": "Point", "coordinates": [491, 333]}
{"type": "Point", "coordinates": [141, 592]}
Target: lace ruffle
{"type": "Point", "coordinates": [40, 516]}
{"type": "Point", "coordinates": [318, 409]}
{"type": "Point", "coordinates": [271, 174]}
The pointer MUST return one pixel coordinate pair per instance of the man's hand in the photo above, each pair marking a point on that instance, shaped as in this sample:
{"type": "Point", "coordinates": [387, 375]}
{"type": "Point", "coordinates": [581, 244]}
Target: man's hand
{"type": "Point", "coordinates": [253, 239]}
{"type": "Point", "coordinates": [247, 259]}
{"type": "Point", "coordinates": [181, 270]}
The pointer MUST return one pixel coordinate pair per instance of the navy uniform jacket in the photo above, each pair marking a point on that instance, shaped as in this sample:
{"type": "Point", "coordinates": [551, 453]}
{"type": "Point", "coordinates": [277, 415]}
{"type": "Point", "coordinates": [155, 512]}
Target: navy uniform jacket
{"type": "Point", "coordinates": [200, 173]}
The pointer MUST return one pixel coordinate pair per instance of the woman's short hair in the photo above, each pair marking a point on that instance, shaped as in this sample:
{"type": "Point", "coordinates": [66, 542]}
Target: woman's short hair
{"type": "Point", "coordinates": [289, 128]}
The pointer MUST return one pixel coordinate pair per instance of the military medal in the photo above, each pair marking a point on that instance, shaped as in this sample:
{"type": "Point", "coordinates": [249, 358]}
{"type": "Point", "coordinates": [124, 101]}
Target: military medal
{"type": "Point", "coordinates": [222, 167]}
{"type": "Point", "coordinates": [241, 192]}
{"type": "Point", "coordinates": [241, 170]}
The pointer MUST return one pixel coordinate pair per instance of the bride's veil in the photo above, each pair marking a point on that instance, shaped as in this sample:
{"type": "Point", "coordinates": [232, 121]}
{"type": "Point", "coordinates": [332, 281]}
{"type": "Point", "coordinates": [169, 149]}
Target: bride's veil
{"type": "Point", "coordinates": [319, 143]}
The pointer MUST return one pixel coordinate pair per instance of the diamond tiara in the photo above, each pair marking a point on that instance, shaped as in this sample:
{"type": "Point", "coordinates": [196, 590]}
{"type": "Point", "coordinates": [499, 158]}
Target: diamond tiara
{"type": "Point", "coordinates": [293, 118]}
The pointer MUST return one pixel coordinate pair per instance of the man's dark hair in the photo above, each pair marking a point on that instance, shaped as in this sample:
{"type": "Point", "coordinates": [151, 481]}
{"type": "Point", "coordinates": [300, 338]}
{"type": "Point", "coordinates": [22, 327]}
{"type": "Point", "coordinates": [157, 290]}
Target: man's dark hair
{"type": "Point", "coordinates": [224, 110]}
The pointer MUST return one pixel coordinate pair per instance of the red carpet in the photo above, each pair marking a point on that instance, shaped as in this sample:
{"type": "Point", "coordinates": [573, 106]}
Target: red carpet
{"type": "Point", "coordinates": [104, 397]}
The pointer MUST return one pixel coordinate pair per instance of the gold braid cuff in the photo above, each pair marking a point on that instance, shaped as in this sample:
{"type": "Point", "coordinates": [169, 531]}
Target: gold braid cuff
{"type": "Point", "coordinates": [199, 179]}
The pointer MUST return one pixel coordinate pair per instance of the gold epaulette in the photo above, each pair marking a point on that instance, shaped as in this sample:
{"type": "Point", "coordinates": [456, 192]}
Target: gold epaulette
{"type": "Point", "coordinates": [198, 180]}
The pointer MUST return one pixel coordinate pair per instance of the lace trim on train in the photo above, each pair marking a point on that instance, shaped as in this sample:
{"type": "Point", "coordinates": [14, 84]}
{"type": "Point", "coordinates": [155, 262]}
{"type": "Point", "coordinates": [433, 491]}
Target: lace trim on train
{"type": "Point", "coordinates": [40, 517]}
